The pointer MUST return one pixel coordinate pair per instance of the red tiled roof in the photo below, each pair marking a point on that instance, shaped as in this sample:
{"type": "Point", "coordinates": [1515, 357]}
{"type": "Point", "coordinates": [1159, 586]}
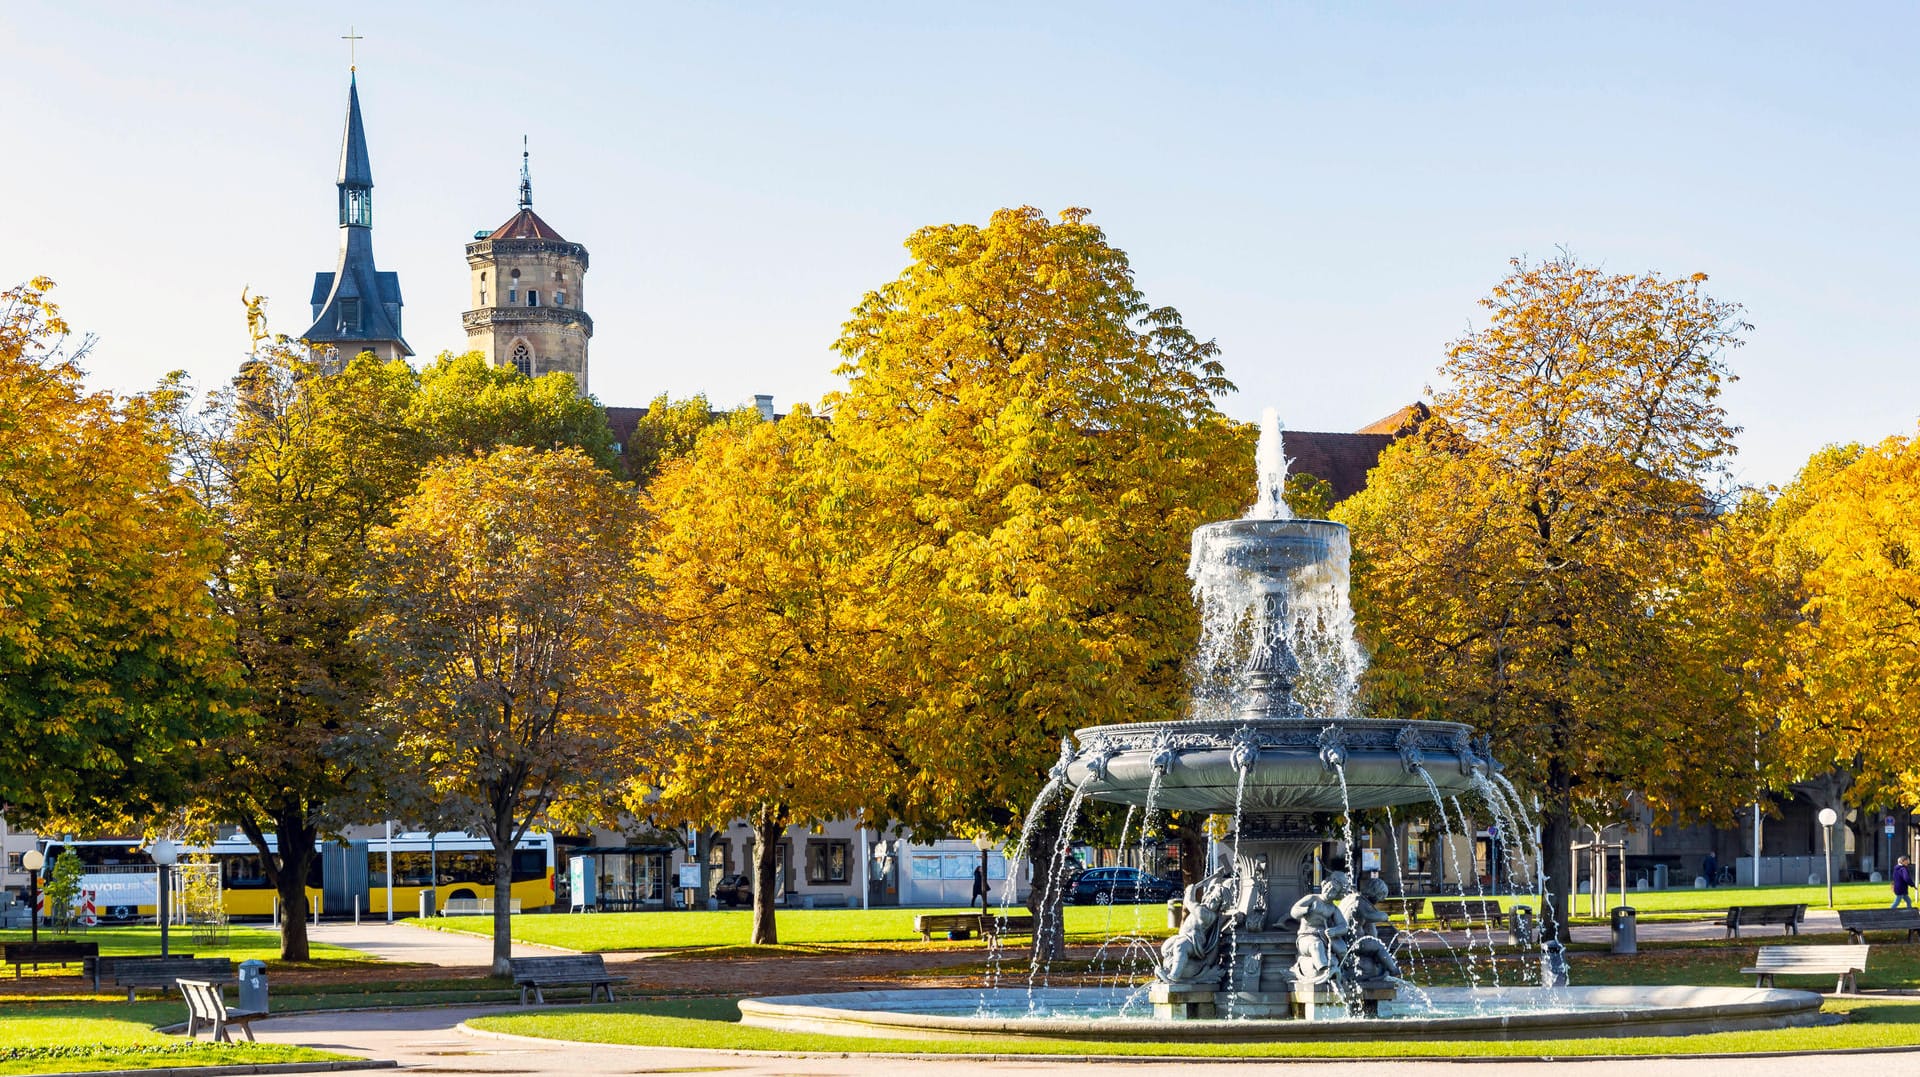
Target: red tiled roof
{"type": "Point", "coordinates": [1343, 460]}
{"type": "Point", "coordinates": [526, 224]}
{"type": "Point", "coordinates": [1400, 422]}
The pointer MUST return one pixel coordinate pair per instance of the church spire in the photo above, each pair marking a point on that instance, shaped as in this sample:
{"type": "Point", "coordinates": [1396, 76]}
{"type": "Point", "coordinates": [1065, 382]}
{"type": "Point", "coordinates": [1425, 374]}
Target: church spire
{"type": "Point", "coordinates": [526, 179]}
{"type": "Point", "coordinates": [356, 174]}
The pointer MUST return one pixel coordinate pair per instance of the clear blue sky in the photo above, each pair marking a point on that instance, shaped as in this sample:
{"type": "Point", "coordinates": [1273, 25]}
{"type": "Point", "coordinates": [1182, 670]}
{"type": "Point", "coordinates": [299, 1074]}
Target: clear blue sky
{"type": "Point", "coordinates": [1324, 188]}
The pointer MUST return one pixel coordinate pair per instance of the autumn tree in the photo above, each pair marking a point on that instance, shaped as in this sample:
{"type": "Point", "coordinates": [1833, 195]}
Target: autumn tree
{"type": "Point", "coordinates": [1849, 529]}
{"type": "Point", "coordinates": [667, 432]}
{"type": "Point", "coordinates": [1517, 559]}
{"type": "Point", "coordinates": [772, 682]}
{"type": "Point", "coordinates": [111, 654]}
{"type": "Point", "coordinates": [297, 468]}
{"type": "Point", "coordinates": [503, 608]}
{"type": "Point", "coordinates": [1045, 441]}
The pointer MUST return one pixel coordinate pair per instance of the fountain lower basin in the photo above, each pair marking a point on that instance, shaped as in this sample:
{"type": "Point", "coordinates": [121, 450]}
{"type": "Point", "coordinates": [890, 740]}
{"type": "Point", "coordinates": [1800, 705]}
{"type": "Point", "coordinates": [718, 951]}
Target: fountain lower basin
{"type": "Point", "coordinates": [1455, 1014]}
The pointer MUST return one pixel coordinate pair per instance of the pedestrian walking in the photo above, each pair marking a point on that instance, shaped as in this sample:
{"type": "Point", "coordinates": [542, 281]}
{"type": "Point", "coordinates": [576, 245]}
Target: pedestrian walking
{"type": "Point", "coordinates": [979, 888]}
{"type": "Point", "coordinates": [1902, 883]}
{"type": "Point", "coordinates": [1710, 867]}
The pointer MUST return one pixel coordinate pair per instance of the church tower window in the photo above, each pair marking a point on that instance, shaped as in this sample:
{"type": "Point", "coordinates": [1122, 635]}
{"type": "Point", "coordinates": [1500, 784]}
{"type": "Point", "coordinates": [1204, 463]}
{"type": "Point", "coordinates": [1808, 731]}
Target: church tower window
{"type": "Point", "coordinates": [349, 314]}
{"type": "Point", "coordinates": [522, 358]}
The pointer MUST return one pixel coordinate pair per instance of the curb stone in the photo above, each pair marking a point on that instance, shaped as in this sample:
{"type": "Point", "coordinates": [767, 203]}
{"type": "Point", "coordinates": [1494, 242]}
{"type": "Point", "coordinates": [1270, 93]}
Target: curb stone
{"type": "Point", "coordinates": [340, 1066]}
{"type": "Point", "coordinates": [1161, 1060]}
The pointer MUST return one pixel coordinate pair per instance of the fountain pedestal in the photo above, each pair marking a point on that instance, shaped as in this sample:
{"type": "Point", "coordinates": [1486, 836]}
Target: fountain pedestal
{"type": "Point", "coordinates": [1184, 1002]}
{"type": "Point", "coordinates": [1362, 999]}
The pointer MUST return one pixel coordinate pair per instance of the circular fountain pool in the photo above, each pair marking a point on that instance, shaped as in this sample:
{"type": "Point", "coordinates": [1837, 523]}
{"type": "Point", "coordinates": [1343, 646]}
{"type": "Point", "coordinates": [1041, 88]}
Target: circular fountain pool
{"type": "Point", "coordinates": [1449, 1013]}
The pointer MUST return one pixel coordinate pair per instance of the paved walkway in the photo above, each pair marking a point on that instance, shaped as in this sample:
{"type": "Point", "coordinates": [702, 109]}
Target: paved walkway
{"type": "Point", "coordinates": [429, 1042]}
{"type": "Point", "coordinates": [402, 941]}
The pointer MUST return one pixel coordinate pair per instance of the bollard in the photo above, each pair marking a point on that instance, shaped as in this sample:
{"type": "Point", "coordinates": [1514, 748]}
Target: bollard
{"type": "Point", "coordinates": [356, 910]}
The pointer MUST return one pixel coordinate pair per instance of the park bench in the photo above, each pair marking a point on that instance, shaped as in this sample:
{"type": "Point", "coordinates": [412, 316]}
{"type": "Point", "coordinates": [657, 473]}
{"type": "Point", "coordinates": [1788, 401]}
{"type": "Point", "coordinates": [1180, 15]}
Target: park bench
{"type": "Point", "coordinates": [1471, 911]}
{"type": "Point", "coordinates": [1841, 961]}
{"type": "Point", "coordinates": [572, 970]}
{"type": "Point", "coordinates": [134, 973]}
{"type": "Point", "coordinates": [205, 1004]}
{"type": "Point", "coordinates": [46, 953]}
{"type": "Point", "coordinates": [994, 927]}
{"type": "Point", "coordinates": [476, 907]}
{"type": "Point", "coordinates": [1406, 908]}
{"type": "Point", "coordinates": [1858, 922]}
{"type": "Point", "coordinates": [1739, 916]}
{"type": "Point", "coordinates": [95, 968]}
{"type": "Point", "coordinates": [928, 923]}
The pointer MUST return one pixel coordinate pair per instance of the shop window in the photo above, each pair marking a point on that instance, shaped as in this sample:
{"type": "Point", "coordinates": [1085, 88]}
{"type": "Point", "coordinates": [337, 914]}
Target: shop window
{"type": "Point", "coordinates": [827, 863]}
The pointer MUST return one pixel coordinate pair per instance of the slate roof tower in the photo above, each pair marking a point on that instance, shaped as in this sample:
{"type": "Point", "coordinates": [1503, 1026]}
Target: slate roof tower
{"type": "Point", "coordinates": [356, 307]}
{"type": "Point", "coordinates": [526, 286]}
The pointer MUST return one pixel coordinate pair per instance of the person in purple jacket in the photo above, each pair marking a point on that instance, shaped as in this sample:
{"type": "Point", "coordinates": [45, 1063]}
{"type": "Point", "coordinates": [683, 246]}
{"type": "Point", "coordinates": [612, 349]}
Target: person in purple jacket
{"type": "Point", "coordinates": [1902, 883]}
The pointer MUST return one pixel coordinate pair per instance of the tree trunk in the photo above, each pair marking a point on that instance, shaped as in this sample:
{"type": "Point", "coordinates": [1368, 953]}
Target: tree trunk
{"type": "Point", "coordinates": [287, 869]}
{"type": "Point", "coordinates": [1192, 837]}
{"type": "Point", "coordinates": [1556, 842]}
{"type": "Point", "coordinates": [1045, 899]}
{"type": "Point", "coordinates": [767, 829]}
{"type": "Point", "coordinates": [503, 897]}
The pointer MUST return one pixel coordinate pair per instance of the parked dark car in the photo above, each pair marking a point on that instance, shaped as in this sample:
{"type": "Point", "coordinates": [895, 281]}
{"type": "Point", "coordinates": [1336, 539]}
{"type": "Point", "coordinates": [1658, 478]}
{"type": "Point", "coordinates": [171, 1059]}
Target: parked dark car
{"type": "Point", "coordinates": [734, 890]}
{"type": "Point", "coordinates": [1112, 886]}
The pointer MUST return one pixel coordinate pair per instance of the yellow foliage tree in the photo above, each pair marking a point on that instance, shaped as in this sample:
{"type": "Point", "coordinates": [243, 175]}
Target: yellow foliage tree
{"type": "Point", "coordinates": [112, 658]}
{"type": "Point", "coordinates": [1519, 560]}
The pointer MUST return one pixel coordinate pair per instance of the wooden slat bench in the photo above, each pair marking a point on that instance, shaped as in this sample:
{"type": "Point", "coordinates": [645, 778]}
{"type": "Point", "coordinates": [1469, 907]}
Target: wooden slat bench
{"type": "Point", "coordinates": [1471, 911]}
{"type": "Point", "coordinates": [1858, 922]}
{"type": "Point", "coordinates": [993, 927]}
{"type": "Point", "coordinates": [928, 923]}
{"type": "Point", "coordinates": [134, 973]}
{"type": "Point", "coordinates": [1405, 908]}
{"type": "Point", "coordinates": [46, 953]}
{"type": "Point", "coordinates": [571, 970]}
{"type": "Point", "coordinates": [1739, 916]}
{"type": "Point", "coordinates": [97, 967]}
{"type": "Point", "coordinates": [1841, 961]}
{"type": "Point", "coordinates": [205, 1004]}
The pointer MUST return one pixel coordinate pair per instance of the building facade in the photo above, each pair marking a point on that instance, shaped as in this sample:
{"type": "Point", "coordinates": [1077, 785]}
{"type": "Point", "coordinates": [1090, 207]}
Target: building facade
{"type": "Point", "coordinates": [527, 297]}
{"type": "Point", "coordinates": [356, 307]}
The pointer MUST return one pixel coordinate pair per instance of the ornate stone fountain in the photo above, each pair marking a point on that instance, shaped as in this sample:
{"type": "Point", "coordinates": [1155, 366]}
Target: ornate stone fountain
{"type": "Point", "coordinates": [1258, 938]}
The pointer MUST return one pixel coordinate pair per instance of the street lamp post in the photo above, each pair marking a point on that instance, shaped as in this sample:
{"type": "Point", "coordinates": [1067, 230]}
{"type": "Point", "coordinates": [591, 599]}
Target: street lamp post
{"type": "Point", "coordinates": [165, 854]}
{"type": "Point", "coordinates": [33, 860]}
{"type": "Point", "coordinates": [1828, 817]}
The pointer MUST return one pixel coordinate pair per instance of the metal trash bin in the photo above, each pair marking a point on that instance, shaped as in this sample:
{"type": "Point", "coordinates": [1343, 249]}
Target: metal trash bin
{"type": "Point", "coordinates": [1661, 876]}
{"type": "Point", "coordinates": [1521, 928]}
{"type": "Point", "coordinates": [429, 904]}
{"type": "Point", "coordinates": [1626, 935]}
{"type": "Point", "coordinates": [253, 985]}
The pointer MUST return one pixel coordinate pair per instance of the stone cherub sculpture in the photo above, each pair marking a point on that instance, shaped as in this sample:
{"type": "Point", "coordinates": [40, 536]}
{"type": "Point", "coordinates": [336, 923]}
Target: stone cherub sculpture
{"type": "Point", "coordinates": [1191, 955]}
{"type": "Point", "coordinates": [1368, 955]}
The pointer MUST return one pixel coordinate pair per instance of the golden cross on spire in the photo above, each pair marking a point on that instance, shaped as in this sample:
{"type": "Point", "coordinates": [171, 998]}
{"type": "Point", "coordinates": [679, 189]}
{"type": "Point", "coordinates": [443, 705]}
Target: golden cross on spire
{"type": "Point", "coordinates": [352, 39]}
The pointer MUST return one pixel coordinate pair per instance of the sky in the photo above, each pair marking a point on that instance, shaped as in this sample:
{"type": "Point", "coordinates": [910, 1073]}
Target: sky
{"type": "Point", "coordinates": [1324, 189]}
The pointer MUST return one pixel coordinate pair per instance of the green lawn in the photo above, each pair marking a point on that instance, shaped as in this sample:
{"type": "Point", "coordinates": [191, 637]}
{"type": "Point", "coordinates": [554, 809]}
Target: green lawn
{"type": "Point", "coordinates": [713, 1023]}
{"type": "Point", "coordinates": [1086, 923]}
{"type": "Point", "coordinates": [242, 943]}
{"type": "Point", "coordinates": [51, 1037]}
{"type": "Point", "coordinates": [731, 927]}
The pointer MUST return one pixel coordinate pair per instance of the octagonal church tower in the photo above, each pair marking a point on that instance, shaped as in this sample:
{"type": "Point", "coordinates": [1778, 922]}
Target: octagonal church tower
{"type": "Point", "coordinates": [527, 297]}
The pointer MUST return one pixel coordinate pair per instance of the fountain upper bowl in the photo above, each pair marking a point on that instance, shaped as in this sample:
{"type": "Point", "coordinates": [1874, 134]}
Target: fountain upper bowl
{"type": "Point", "coordinates": [1289, 764]}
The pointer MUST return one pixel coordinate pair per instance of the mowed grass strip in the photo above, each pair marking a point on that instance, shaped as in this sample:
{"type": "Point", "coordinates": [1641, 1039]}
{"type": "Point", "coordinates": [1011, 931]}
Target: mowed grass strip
{"type": "Point", "coordinates": [71, 1037]}
{"type": "Point", "coordinates": [714, 1023]}
{"type": "Point", "coordinates": [683, 929]}
{"type": "Point", "coordinates": [241, 944]}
